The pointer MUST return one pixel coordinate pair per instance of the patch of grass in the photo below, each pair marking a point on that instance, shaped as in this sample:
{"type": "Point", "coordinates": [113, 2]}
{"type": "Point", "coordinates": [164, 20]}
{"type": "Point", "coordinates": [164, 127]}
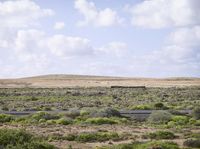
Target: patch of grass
{"type": "Point", "coordinates": [160, 135]}
{"type": "Point", "coordinates": [196, 113]}
{"type": "Point", "coordinates": [105, 120]}
{"type": "Point", "coordinates": [19, 139]}
{"type": "Point", "coordinates": [180, 120]}
{"type": "Point", "coordinates": [5, 118]}
{"type": "Point", "coordinates": [148, 145]}
{"type": "Point", "coordinates": [99, 137]}
{"type": "Point", "coordinates": [64, 121]}
{"type": "Point", "coordinates": [159, 117]}
{"type": "Point", "coordinates": [93, 137]}
{"type": "Point", "coordinates": [194, 143]}
{"type": "Point", "coordinates": [107, 112]}
{"type": "Point", "coordinates": [141, 107]}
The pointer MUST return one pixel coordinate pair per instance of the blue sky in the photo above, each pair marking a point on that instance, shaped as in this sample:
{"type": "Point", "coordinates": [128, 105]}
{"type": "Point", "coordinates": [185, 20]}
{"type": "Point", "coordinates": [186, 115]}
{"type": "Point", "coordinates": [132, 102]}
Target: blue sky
{"type": "Point", "coordinates": [137, 38]}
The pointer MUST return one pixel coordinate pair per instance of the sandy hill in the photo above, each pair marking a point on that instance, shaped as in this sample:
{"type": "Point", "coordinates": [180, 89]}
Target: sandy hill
{"type": "Point", "coordinates": [51, 81]}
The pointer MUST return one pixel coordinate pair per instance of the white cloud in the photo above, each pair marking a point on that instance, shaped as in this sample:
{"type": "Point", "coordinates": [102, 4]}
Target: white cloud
{"type": "Point", "coordinates": [59, 25]}
{"type": "Point", "coordinates": [103, 18]}
{"type": "Point", "coordinates": [21, 13]}
{"type": "Point", "coordinates": [165, 13]}
{"type": "Point", "coordinates": [183, 45]}
{"type": "Point", "coordinates": [179, 57]}
{"type": "Point", "coordinates": [29, 40]}
{"type": "Point", "coordinates": [65, 46]}
{"type": "Point", "coordinates": [116, 49]}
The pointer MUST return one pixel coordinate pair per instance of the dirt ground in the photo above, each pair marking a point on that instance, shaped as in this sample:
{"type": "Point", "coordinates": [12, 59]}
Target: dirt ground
{"type": "Point", "coordinates": [51, 81]}
{"type": "Point", "coordinates": [136, 133]}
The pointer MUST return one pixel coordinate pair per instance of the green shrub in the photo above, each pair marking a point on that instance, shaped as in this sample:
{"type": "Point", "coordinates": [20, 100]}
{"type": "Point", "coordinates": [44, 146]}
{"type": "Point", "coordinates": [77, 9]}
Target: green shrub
{"type": "Point", "coordinates": [93, 137]}
{"type": "Point", "coordinates": [180, 120]}
{"type": "Point", "coordinates": [43, 115]}
{"type": "Point", "coordinates": [105, 120]}
{"type": "Point", "coordinates": [64, 121]}
{"type": "Point", "coordinates": [148, 145]}
{"type": "Point", "coordinates": [84, 112]}
{"type": "Point", "coordinates": [159, 145]}
{"type": "Point", "coordinates": [196, 113]}
{"type": "Point", "coordinates": [97, 137]}
{"type": "Point", "coordinates": [73, 113]}
{"type": "Point", "coordinates": [192, 135]}
{"type": "Point", "coordinates": [192, 121]}
{"type": "Point", "coordinates": [161, 135]}
{"type": "Point", "coordinates": [108, 112]}
{"type": "Point", "coordinates": [197, 123]}
{"type": "Point", "coordinates": [159, 117]}
{"type": "Point", "coordinates": [4, 108]}
{"type": "Point", "coordinates": [19, 139]}
{"type": "Point", "coordinates": [51, 122]}
{"type": "Point", "coordinates": [70, 137]}
{"type": "Point", "coordinates": [5, 118]}
{"type": "Point", "coordinates": [141, 107]}
{"type": "Point", "coordinates": [159, 106]}
{"type": "Point", "coordinates": [192, 143]}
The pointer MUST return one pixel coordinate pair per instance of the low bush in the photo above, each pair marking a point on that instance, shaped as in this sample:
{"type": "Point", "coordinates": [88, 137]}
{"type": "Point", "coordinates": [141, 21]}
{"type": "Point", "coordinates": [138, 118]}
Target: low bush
{"type": "Point", "coordinates": [148, 145]}
{"type": "Point", "coordinates": [93, 137]}
{"type": "Point", "coordinates": [73, 113]}
{"type": "Point", "coordinates": [19, 139]}
{"type": "Point", "coordinates": [99, 137]}
{"type": "Point", "coordinates": [64, 121]}
{"type": "Point", "coordinates": [160, 135]}
{"type": "Point", "coordinates": [43, 115]}
{"type": "Point", "coordinates": [142, 107]}
{"type": "Point", "coordinates": [5, 118]}
{"type": "Point", "coordinates": [160, 106]}
{"type": "Point", "coordinates": [180, 120]}
{"type": "Point", "coordinates": [105, 120]}
{"type": "Point", "coordinates": [108, 112]}
{"type": "Point", "coordinates": [159, 145]}
{"type": "Point", "coordinates": [196, 113]}
{"type": "Point", "coordinates": [192, 143]}
{"type": "Point", "coordinates": [159, 117]}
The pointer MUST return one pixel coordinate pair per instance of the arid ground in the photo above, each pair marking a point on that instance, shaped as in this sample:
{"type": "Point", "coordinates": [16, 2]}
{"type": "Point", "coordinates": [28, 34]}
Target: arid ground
{"type": "Point", "coordinates": [84, 112]}
{"type": "Point", "coordinates": [52, 81]}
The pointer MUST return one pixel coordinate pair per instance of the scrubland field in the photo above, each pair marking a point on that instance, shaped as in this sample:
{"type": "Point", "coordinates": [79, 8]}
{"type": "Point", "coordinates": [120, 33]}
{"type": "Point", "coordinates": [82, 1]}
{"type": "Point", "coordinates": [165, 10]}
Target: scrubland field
{"type": "Point", "coordinates": [86, 112]}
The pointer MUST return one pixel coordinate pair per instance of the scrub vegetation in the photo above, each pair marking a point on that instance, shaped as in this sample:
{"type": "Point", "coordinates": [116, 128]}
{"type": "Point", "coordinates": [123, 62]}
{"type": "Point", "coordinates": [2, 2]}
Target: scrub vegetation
{"type": "Point", "coordinates": [93, 118]}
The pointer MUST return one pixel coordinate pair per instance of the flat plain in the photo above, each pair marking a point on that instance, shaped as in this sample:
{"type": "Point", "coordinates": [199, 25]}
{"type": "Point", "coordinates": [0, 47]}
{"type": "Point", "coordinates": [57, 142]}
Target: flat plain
{"type": "Point", "coordinates": [53, 81]}
{"type": "Point", "coordinates": [68, 111]}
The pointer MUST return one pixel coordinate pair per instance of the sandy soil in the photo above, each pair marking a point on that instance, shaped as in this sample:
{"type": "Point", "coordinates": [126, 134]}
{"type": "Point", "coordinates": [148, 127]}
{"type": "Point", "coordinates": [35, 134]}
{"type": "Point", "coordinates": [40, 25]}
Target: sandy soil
{"type": "Point", "coordinates": [52, 81]}
{"type": "Point", "coordinates": [136, 132]}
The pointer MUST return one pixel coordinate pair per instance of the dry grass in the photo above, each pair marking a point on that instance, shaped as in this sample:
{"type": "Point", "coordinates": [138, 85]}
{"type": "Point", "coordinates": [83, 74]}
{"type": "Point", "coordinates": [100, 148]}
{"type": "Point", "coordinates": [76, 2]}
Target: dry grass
{"type": "Point", "coordinates": [51, 81]}
{"type": "Point", "coordinates": [45, 130]}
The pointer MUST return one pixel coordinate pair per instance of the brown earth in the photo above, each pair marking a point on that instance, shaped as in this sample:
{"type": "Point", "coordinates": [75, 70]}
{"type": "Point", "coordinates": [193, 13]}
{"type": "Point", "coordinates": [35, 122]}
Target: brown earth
{"type": "Point", "coordinates": [52, 81]}
{"type": "Point", "coordinates": [135, 132]}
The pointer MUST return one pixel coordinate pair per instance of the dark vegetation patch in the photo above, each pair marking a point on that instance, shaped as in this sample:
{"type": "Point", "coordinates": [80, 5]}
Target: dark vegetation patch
{"type": "Point", "coordinates": [99, 97]}
{"type": "Point", "coordinates": [147, 145]}
{"type": "Point", "coordinates": [194, 143]}
{"type": "Point", "coordinates": [159, 135]}
{"type": "Point", "coordinates": [89, 137]}
{"type": "Point", "coordinates": [19, 139]}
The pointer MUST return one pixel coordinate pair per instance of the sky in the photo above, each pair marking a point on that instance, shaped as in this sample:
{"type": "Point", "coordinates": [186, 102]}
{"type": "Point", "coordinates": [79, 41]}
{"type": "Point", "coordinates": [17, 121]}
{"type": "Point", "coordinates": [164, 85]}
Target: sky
{"type": "Point", "coordinates": [134, 38]}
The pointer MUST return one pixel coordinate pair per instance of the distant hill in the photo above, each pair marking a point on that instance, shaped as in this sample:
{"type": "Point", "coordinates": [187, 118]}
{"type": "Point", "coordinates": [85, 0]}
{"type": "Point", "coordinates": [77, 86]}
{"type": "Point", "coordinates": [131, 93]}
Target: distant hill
{"type": "Point", "coordinates": [51, 81]}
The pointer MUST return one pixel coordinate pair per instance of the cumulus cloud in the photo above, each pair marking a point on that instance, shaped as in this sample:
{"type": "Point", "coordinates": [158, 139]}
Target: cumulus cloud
{"type": "Point", "coordinates": [117, 49]}
{"type": "Point", "coordinates": [66, 46]}
{"type": "Point", "coordinates": [59, 25]}
{"type": "Point", "coordinates": [103, 18]}
{"type": "Point", "coordinates": [183, 45]}
{"type": "Point", "coordinates": [21, 13]}
{"type": "Point", "coordinates": [180, 56]}
{"type": "Point", "coordinates": [165, 13]}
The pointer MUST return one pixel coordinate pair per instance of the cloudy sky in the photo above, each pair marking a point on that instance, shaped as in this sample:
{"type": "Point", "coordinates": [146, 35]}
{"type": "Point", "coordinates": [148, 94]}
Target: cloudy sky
{"type": "Point", "coordinates": [138, 38]}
